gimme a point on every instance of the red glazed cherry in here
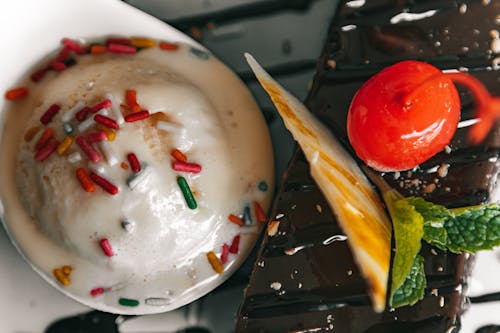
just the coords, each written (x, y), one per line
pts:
(409, 111)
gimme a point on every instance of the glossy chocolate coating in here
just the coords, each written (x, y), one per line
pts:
(319, 285)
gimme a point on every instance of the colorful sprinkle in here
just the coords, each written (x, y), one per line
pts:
(74, 157)
(98, 49)
(68, 128)
(30, 134)
(97, 136)
(168, 127)
(109, 152)
(101, 105)
(272, 228)
(73, 45)
(137, 116)
(118, 40)
(134, 162)
(247, 216)
(235, 244)
(38, 75)
(106, 121)
(131, 100)
(82, 113)
(67, 269)
(103, 183)
(236, 219)
(124, 166)
(260, 215)
(65, 144)
(224, 256)
(57, 65)
(44, 138)
(157, 301)
(61, 277)
(49, 114)
(186, 191)
(46, 150)
(186, 167)
(87, 148)
(127, 225)
(116, 109)
(106, 247)
(97, 291)
(84, 180)
(63, 54)
(121, 48)
(215, 262)
(142, 42)
(166, 46)
(16, 93)
(128, 302)
(134, 180)
(111, 135)
(263, 186)
(178, 155)
(200, 54)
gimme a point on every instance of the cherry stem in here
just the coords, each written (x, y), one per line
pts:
(488, 106)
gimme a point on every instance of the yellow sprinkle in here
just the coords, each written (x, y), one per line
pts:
(215, 262)
(142, 42)
(63, 147)
(61, 277)
(111, 135)
(67, 269)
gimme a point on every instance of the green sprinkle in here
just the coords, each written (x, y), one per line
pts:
(128, 302)
(263, 186)
(186, 191)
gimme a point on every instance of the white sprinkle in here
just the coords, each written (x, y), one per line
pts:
(261, 263)
(441, 301)
(97, 168)
(89, 122)
(334, 238)
(275, 285)
(299, 285)
(493, 159)
(90, 85)
(169, 127)
(136, 179)
(279, 216)
(355, 3)
(109, 152)
(348, 27)
(71, 112)
(74, 157)
(116, 109)
(157, 301)
(468, 122)
(407, 17)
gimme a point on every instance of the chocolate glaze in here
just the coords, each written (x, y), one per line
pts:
(321, 288)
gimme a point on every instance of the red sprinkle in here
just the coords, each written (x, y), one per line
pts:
(186, 167)
(57, 65)
(137, 116)
(38, 75)
(46, 150)
(98, 49)
(101, 105)
(63, 54)
(49, 114)
(166, 46)
(87, 148)
(97, 136)
(235, 244)
(44, 138)
(73, 45)
(225, 253)
(106, 247)
(236, 219)
(121, 48)
(82, 114)
(106, 121)
(118, 40)
(84, 179)
(16, 93)
(131, 99)
(97, 291)
(260, 215)
(105, 184)
(178, 155)
(135, 165)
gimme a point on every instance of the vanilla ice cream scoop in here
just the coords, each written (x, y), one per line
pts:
(136, 182)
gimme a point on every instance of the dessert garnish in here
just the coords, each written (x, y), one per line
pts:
(352, 198)
(409, 111)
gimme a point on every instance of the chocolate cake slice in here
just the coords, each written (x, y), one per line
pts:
(305, 278)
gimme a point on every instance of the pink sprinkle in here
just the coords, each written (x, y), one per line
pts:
(135, 165)
(235, 244)
(46, 150)
(97, 136)
(49, 114)
(82, 114)
(225, 253)
(63, 54)
(106, 247)
(101, 105)
(120, 48)
(87, 148)
(57, 65)
(103, 183)
(97, 291)
(73, 45)
(106, 121)
(186, 167)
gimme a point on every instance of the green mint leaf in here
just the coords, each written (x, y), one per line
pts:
(412, 290)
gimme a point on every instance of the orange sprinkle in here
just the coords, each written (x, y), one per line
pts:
(235, 219)
(131, 99)
(64, 145)
(67, 269)
(260, 215)
(61, 277)
(166, 46)
(16, 93)
(30, 134)
(215, 262)
(85, 181)
(178, 155)
(98, 49)
(124, 166)
(44, 138)
(142, 42)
